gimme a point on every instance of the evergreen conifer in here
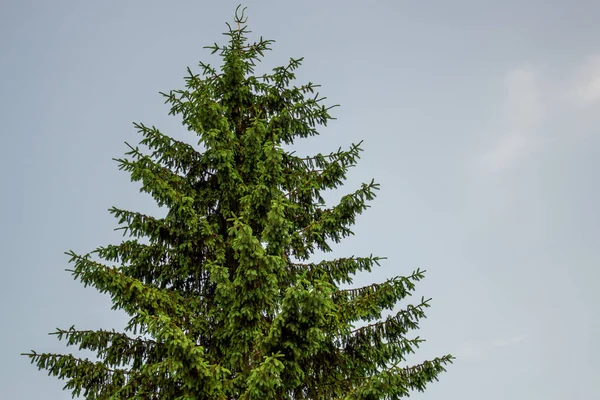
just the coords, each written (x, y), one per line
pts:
(224, 300)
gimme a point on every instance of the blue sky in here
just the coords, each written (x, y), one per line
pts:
(480, 121)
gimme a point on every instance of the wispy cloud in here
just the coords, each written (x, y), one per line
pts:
(587, 81)
(523, 112)
(564, 105)
(478, 349)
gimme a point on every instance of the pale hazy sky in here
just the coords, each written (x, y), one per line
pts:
(480, 121)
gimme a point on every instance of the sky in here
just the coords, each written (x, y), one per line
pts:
(480, 120)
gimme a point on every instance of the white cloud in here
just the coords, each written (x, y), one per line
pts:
(587, 81)
(523, 112)
(540, 109)
(507, 151)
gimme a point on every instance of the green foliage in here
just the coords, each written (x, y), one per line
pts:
(223, 300)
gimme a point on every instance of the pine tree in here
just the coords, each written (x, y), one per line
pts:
(223, 298)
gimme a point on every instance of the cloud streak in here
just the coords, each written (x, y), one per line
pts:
(479, 349)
